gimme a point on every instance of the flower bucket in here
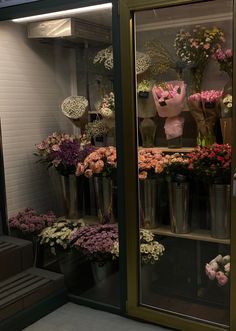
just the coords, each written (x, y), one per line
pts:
(148, 131)
(103, 187)
(101, 272)
(179, 207)
(220, 210)
(73, 196)
(148, 203)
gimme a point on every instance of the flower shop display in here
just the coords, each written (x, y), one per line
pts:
(150, 249)
(218, 269)
(195, 48)
(213, 165)
(205, 108)
(169, 98)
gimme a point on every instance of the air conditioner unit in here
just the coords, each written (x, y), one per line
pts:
(70, 28)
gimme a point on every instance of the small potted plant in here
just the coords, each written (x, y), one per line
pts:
(143, 88)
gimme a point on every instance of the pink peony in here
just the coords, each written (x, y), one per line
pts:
(221, 278)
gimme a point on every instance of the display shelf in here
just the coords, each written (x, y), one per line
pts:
(171, 150)
(201, 235)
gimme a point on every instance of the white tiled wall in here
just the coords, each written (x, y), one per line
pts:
(34, 79)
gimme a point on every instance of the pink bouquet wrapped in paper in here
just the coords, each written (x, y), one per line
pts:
(169, 98)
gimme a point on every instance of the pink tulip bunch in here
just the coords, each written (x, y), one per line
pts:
(219, 269)
(206, 96)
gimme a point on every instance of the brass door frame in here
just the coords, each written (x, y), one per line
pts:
(127, 8)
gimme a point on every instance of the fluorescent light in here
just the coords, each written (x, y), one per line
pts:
(62, 13)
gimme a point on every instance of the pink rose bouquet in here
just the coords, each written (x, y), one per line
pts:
(150, 162)
(219, 269)
(101, 162)
(169, 99)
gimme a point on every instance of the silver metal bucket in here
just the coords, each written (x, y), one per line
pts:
(73, 196)
(148, 203)
(103, 187)
(179, 207)
(220, 210)
(101, 273)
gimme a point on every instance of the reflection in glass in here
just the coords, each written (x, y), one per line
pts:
(184, 168)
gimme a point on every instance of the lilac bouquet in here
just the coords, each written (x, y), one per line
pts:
(225, 60)
(219, 269)
(96, 242)
(29, 221)
(63, 151)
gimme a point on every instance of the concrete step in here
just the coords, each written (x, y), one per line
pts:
(16, 255)
(27, 288)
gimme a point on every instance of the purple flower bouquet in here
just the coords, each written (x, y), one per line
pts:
(96, 242)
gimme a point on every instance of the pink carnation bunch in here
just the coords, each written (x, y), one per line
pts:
(100, 162)
(212, 163)
(219, 269)
(96, 242)
(29, 221)
(210, 96)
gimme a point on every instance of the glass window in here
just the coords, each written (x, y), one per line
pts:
(58, 101)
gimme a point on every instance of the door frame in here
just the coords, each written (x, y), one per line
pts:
(127, 9)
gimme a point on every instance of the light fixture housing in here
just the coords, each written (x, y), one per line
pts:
(63, 13)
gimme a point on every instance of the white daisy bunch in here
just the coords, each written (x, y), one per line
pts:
(150, 249)
(228, 102)
(59, 234)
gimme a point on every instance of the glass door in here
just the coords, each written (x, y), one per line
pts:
(183, 62)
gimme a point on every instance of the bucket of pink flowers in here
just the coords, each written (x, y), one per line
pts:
(101, 166)
(218, 269)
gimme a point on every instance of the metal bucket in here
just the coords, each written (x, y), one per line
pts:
(179, 207)
(103, 187)
(148, 203)
(220, 210)
(73, 196)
